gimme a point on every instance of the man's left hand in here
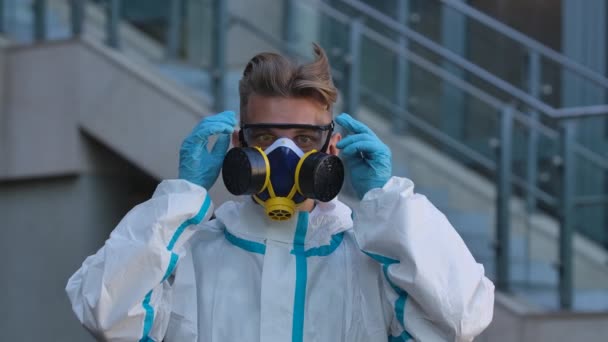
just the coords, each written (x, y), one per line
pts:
(367, 158)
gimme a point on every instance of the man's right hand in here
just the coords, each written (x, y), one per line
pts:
(196, 163)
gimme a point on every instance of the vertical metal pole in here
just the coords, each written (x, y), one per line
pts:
(2, 21)
(453, 101)
(289, 27)
(503, 217)
(174, 29)
(567, 224)
(353, 64)
(534, 80)
(39, 20)
(112, 22)
(218, 58)
(401, 70)
(76, 16)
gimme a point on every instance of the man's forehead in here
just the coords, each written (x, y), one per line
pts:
(286, 110)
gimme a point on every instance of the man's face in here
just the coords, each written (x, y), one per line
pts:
(281, 110)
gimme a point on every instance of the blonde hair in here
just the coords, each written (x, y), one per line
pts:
(271, 74)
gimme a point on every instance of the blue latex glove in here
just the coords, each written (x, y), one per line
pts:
(367, 158)
(197, 163)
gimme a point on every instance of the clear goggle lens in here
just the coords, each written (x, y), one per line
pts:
(306, 137)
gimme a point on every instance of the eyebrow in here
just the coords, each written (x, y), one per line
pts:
(303, 130)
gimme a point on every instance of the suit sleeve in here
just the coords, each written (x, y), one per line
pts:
(437, 289)
(124, 291)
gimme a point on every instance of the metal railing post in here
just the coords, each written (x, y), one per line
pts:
(353, 68)
(39, 8)
(401, 71)
(218, 58)
(77, 17)
(503, 193)
(534, 81)
(112, 22)
(2, 21)
(289, 28)
(453, 101)
(173, 30)
(567, 206)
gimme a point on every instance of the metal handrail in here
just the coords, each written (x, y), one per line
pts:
(450, 56)
(463, 149)
(491, 100)
(479, 94)
(453, 79)
(530, 43)
(444, 75)
(563, 113)
(465, 64)
(580, 112)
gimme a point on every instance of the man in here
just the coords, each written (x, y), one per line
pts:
(393, 269)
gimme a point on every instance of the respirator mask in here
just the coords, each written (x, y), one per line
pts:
(280, 172)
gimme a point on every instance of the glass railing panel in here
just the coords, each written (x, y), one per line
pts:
(550, 85)
(520, 153)
(591, 186)
(548, 177)
(501, 56)
(378, 69)
(425, 18)
(440, 106)
(19, 20)
(481, 123)
(593, 134)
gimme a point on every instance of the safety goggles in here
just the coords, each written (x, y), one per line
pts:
(307, 137)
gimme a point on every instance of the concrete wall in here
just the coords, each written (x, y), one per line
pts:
(139, 114)
(39, 121)
(48, 227)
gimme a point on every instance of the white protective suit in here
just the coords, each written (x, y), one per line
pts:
(167, 272)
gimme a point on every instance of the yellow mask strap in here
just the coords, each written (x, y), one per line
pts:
(258, 200)
(296, 186)
(267, 166)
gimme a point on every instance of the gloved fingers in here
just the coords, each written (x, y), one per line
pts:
(221, 145)
(202, 135)
(213, 124)
(352, 125)
(355, 138)
(228, 118)
(367, 150)
(189, 152)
